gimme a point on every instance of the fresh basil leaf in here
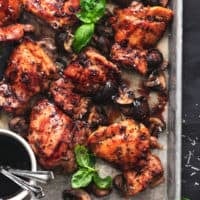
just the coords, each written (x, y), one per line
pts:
(91, 10)
(83, 157)
(82, 36)
(81, 178)
(185, 198)
(102, 183)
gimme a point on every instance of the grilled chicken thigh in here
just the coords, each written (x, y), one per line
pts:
(75, 105)
(52, 136)
(9, 13)
(58, 13)
(8, 100)
(132, 182)
(72, 103)
(124, 144)
(91, 71)
(14, 32)
(139, 26)
(140, 60)
(28, 73)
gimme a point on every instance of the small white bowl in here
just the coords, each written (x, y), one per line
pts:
(22, 194)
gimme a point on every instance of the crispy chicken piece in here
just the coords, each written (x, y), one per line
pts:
(8, 101)
(75, 105)
(57, 13)
(28, 73)
(72, 103)
(124, 144)
(52, 136)
(133, 59)
(14, 32)
(49, 128)
(29, 70)
(132, 182)
(9, 13)
(139, 26)
(91, 71)
(141, 60)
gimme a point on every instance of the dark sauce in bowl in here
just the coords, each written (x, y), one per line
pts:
(13, 154)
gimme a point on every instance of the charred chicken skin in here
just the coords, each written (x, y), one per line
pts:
(124, 144)
(139, 26)
(91, 71)
(58, 13)
(28, 73)
(9, 13)
(72, 103)
(75, 105)
(132, 182)
(8, 100)
(52, 136)
(140, 60)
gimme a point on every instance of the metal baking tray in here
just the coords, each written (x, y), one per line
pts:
(171, 139)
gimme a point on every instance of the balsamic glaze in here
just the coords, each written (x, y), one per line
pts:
(12, 154)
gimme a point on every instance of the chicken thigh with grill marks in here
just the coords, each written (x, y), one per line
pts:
(28, 73)
(9, 13)
(140, 60)
(132, 182)
(75, 105)
(139, 26)
(58, 13)
(125, 144)
(91, 71)
(52, 136)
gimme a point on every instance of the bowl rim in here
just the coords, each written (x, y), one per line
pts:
(21, 195)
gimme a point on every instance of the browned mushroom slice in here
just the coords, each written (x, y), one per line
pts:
(157, 81)
(19, 125)
(136, 108)
(99, 192)
(156, 126)
(76, 194)
(132, 182)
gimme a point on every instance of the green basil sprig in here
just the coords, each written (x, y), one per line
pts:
(87, 172)
(91, 12)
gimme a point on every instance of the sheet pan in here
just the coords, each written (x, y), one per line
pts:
(171, 139)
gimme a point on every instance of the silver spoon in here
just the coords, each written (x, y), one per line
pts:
(39, 176)
(36, 190)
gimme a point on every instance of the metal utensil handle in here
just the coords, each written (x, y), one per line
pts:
(39, 176)
(36, 190)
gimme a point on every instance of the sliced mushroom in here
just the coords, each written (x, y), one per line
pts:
(156, 126)
(103, 37)
(125, 97)
(108, 91)
(156, 82)
(140, 109)
(64, 41)
(120, 182)
(99, 192)
(154, 59)
(76, 194)
(19, 125)
(156, 2)
(136, 108)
